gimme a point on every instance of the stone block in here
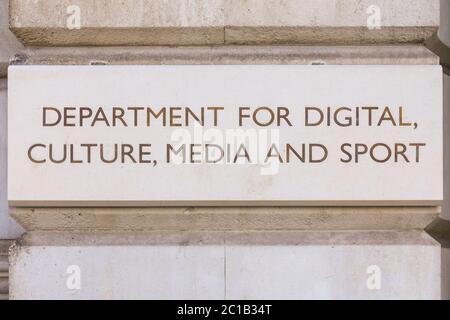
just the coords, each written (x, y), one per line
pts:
(330, 21)
(333, 272)
(230, 265)
(223, 219)
(9, 229)
(214, 22)
(118, 272)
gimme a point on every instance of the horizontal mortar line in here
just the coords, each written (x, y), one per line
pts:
(414, 54)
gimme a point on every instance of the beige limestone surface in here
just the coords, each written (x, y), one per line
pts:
(236, 54)
(9, 229)
(225, 218)
(182, 22)
(409, 260)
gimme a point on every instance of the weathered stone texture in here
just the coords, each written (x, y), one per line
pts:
(182, 22)
(293, 265)
(216, 218)
(237, 54)
(9, 45)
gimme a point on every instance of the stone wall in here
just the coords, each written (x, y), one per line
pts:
(219, 252)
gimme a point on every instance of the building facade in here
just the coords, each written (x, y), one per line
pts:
(381, 250)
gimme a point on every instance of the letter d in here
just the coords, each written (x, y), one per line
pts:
(45, 122)
(309, 123)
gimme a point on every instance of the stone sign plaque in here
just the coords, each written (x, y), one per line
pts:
(224, 135)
